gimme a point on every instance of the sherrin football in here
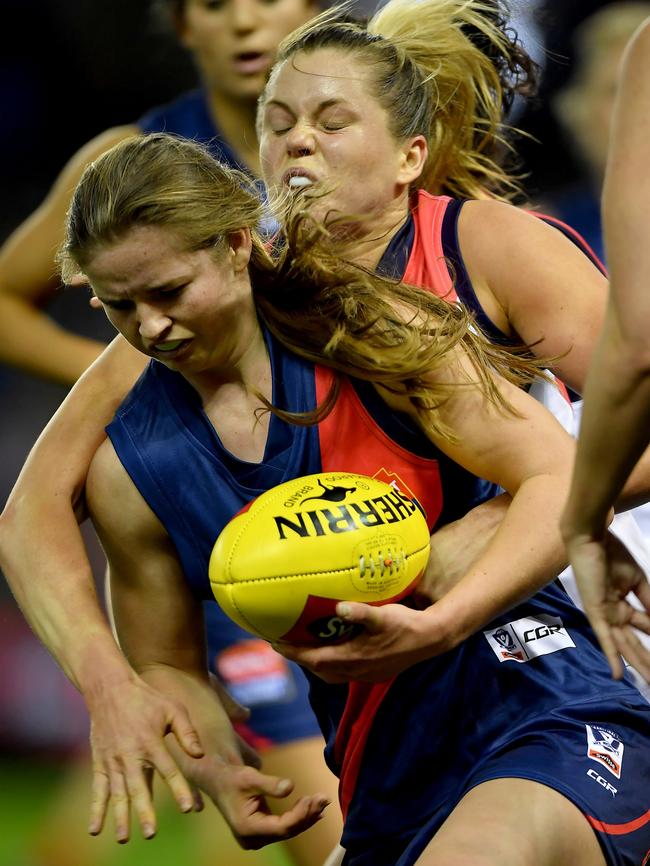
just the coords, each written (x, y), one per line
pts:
(279, 568)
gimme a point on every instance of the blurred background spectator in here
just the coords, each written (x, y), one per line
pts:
(110, 57)
(551, 163)
(583, 107)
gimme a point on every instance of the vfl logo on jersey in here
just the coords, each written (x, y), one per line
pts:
(528, 637)
(605, 747)
(505, 644)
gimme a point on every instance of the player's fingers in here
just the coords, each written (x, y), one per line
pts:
(263, 827)
(140, 797)
(120, 804)
(148, 777)
(633, 650)
(199, 804)
(99, 796)
(174, 779)
(641, 620)
(252, 781)
(371, 618)
(300, 817)
(643, 594)
(325, 662)
(186, 734)
(303, 814)
(290, 651)
(608, 645)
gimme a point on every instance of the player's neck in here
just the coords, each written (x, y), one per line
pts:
(235, 119)
(368, 248)
(247, 371)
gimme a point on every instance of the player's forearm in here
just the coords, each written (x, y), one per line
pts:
(525, 553)
(46, 566)
(31, 341)
(613, 435)
(41, 549)
(458, 545)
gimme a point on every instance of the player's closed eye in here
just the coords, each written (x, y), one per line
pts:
(168, 294)
(122, 305)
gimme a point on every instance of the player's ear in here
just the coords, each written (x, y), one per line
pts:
(412, 158)
(240, 245)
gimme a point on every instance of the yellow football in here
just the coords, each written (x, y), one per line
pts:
(279, 568)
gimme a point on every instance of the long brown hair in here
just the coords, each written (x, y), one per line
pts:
(323, 308)
(332, 311)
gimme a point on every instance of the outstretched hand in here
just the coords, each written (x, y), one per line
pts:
(394, 637)
(228, 771)
(241, 792)
(128, 726)
(606, 572)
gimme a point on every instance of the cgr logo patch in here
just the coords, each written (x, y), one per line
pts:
(602, 782)
(528, 637)
(605, 747)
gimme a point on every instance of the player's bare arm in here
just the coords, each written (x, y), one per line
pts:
(617, 395)
(159, 624)
(29, 339)
(542, 289)
(52, 581)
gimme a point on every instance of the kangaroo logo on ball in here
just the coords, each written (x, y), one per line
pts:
(334, 493)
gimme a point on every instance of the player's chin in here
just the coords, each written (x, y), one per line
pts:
(246, 87)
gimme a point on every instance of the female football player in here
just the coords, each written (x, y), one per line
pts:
(499, 706)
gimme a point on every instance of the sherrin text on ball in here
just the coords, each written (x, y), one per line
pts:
(279, 568)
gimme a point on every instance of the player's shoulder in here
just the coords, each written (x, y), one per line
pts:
(491, 217)
(492, 232)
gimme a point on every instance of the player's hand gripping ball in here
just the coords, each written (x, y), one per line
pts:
(280, 567)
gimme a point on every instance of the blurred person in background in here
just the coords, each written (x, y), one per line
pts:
(233, 44)
(617, 399)
(584, 108)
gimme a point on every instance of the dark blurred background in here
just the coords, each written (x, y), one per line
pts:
(68, 70)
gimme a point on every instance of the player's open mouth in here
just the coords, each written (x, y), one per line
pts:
(297, 179)
(169, 346)
(251, 62)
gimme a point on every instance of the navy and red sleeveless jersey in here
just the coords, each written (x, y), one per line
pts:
(529, 696)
